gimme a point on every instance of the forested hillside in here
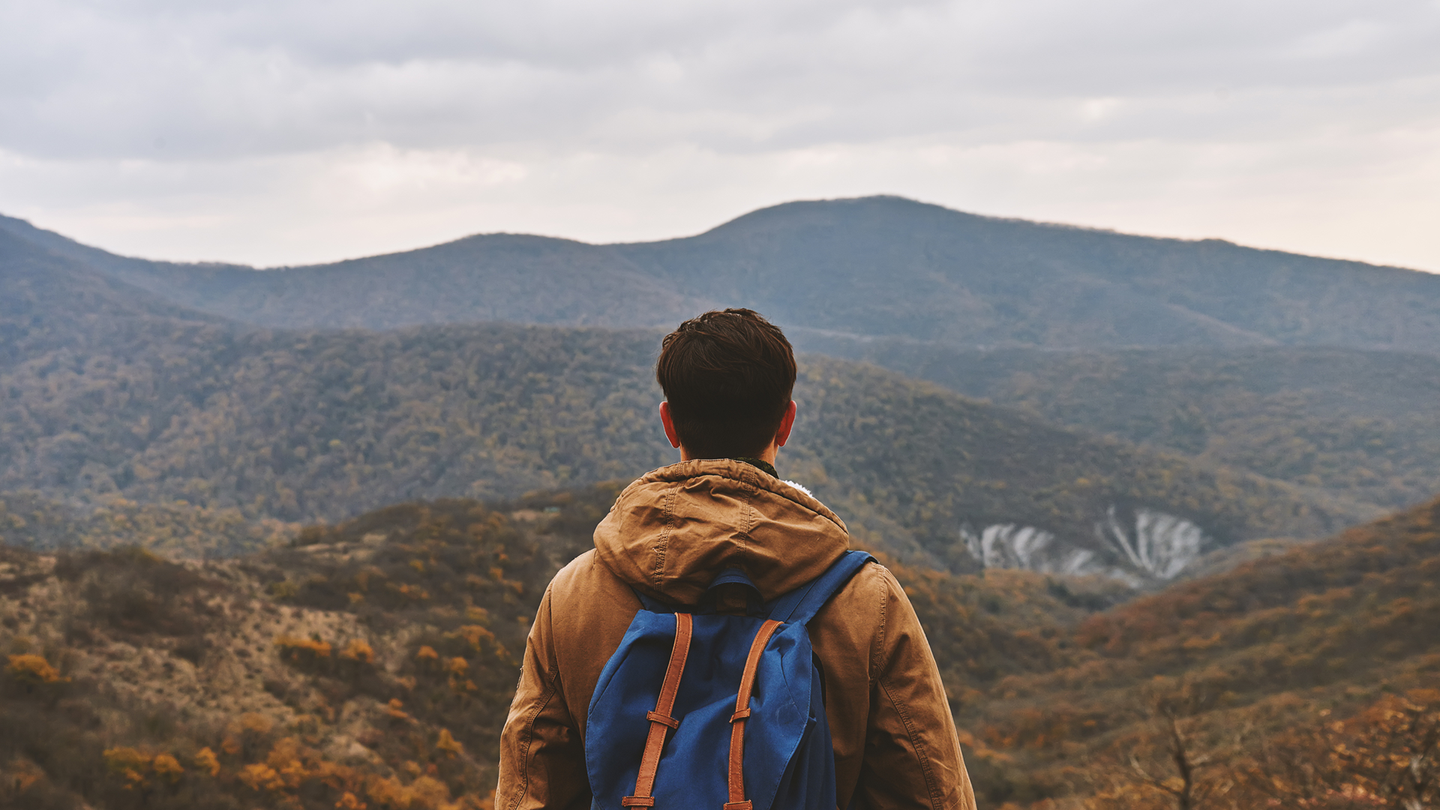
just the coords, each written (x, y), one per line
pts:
(1361, 424)
(304, 426)
(1242, 678)
(371, 663)
(173, 529)
(440, 411)
(50, 303)
(1148, 411)
(877, 266)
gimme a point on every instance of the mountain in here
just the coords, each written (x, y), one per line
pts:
(886, 266)
(869, 267)
(375, 659)
(143, 402)
(303, 426)
(369, 662)
(1360, 424)
(498, 277)
(49, 302)
(1254, 667)
(174, 529)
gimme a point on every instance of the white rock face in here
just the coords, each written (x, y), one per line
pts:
(1160, 545)
(1010, 545)
(1156, 546)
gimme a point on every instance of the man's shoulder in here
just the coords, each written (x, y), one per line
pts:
(581, 577)
(867, 595)
(576, 570)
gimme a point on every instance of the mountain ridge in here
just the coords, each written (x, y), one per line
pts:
(281, 425)
(877, 266)
(305, 425)
(155, 406)
(1357, 422)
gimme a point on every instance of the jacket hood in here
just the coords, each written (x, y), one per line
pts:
(673, 531)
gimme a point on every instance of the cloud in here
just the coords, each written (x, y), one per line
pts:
(225, 79)
(154, 106)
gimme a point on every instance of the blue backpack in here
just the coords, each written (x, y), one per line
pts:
(715, 710)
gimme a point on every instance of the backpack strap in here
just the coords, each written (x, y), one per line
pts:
(742, 712)
(661, 723)
(801, 604)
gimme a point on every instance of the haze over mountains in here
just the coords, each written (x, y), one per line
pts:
(165, 382)
(300, 426)
(870, 267)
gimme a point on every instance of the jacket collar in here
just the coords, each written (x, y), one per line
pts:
(671, 532)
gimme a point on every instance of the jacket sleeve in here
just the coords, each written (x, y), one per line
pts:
(912, 752)
(542, 756)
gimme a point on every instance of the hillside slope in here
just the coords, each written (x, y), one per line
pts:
(1352, 425)
(173, 529)
(371, 665)
(1360, 424)
(304, 426)
(375, 658)
(48, 302)
(1272, 652)
(152, 406)
(877, 266)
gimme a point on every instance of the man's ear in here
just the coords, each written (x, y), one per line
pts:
(670, 425)
(787, 422)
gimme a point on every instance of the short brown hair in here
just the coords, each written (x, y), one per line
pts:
(728, 377)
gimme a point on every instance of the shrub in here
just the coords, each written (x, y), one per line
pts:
(33, 670)
(360, 651)
(308, 652)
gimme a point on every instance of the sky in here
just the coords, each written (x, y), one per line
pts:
(277, 133)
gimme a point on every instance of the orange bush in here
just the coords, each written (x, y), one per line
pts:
(474, 634)
(261, 777)
(33, 670)
(167, 767)
(449, 744)
(303, 650)
(128, 763)
(206, 761)
(360, 651)
(457, 667)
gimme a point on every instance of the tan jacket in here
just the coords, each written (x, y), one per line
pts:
(668, 535)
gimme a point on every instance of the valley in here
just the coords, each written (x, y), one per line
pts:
(273, 537)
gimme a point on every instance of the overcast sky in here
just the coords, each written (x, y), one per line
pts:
(273, 132)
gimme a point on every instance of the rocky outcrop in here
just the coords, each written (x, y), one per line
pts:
(1139, 546)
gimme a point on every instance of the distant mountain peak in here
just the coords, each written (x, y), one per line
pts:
(875, 267)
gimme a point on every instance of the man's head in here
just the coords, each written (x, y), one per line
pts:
(727, 378)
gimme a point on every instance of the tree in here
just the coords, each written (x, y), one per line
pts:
(1174, 763)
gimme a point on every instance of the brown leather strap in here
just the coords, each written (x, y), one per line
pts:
(742, 713)
(660, 720)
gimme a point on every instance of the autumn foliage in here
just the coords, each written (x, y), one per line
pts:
(1297, 681)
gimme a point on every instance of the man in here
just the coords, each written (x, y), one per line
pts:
(727, 378)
